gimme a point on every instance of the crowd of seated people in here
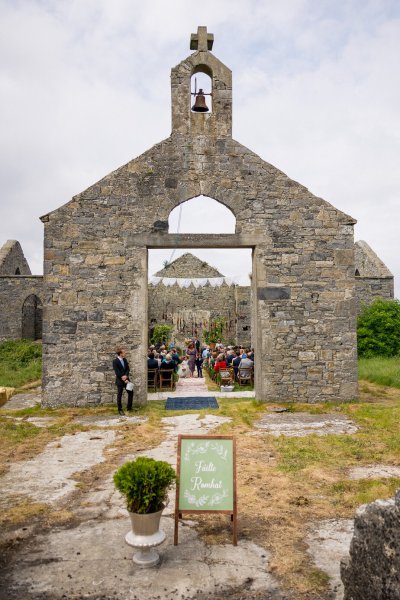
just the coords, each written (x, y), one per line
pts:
(195, 357)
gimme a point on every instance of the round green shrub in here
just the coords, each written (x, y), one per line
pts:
(144, 482)
(378, 329)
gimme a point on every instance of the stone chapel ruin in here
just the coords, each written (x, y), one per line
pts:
(302, 320)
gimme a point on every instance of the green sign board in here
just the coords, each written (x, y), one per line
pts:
(206, 476)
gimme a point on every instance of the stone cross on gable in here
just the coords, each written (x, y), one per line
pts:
(201, 40)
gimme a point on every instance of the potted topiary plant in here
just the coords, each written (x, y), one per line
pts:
(145, 482)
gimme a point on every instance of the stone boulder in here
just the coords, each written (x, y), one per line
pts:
(372, 572)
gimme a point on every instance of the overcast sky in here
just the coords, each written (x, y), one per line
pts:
(84, 88)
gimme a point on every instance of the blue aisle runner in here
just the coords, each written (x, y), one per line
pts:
(191, 403)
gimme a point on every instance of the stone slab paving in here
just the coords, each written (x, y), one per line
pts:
(48, 477)
(302, 424)
(26, 400)
(191, 385)
(92, 560)
(374, 472)
(329, 542)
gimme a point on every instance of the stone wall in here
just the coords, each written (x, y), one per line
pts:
(373, 278)
(12, 259)
(369, 289)
(16, 299)
(304, 309)
(372, 572)
(191, 310)
(243, 315)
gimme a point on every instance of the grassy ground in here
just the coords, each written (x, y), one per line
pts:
(385, 371)
(284, 484)
(20, 363)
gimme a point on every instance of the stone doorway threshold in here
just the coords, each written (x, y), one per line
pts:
(165, 395)
(195, 387)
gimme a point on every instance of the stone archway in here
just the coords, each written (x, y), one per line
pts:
(32, 318)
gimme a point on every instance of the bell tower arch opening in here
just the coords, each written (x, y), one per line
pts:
(201, 85)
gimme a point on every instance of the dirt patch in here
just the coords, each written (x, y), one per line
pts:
(302, 424)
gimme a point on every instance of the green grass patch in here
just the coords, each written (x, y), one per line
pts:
(353, 493)
(20, 362)
(378, 440)
(384, 371)
(17, 433)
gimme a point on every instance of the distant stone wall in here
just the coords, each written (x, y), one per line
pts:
(369, 289)
(372, 572)
(12, 259)
(16, 301)
(191, 310)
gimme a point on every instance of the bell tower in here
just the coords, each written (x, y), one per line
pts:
(186, 121)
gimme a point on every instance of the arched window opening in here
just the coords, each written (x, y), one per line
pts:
(201, 215)
(357, 273)
(17, 271)
(201, 90)
(32, 318)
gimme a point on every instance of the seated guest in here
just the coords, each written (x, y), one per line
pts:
(230, 355)
(220, 363)
(206, 353)
(152, 362)
(167, 364)
(245, 362)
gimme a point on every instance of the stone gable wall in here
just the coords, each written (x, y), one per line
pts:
(187, 266)
(304, 323)
(96, 272)
(12, 259)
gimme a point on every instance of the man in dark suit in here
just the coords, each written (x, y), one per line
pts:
(121, 369)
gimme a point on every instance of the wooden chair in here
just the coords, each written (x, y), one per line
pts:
(167, 381)
(225, 377)
(245, 376)
(152, 379)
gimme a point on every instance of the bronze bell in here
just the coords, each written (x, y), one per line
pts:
(200, 102)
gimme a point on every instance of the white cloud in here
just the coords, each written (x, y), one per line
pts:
(84, 87)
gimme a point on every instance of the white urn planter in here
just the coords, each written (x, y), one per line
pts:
(145, 482)
(145, 536)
